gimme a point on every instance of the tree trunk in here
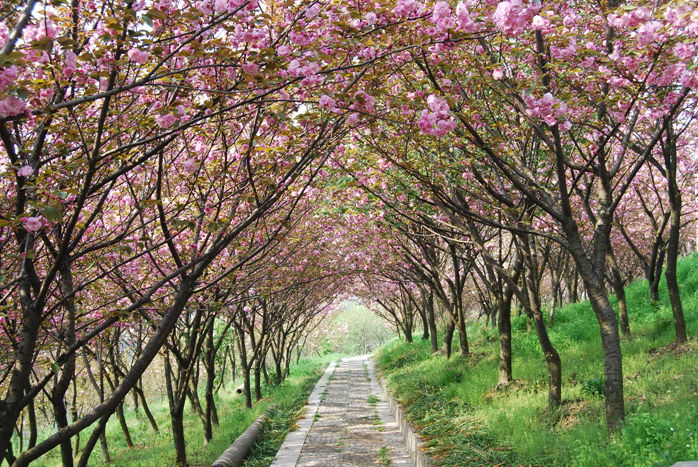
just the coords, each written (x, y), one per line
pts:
(247, 389)
(612, 356)
(504, 327)
(177, 418)
(124, 425)
(97, 434)
(176, 404)
(533, 302)
(68, 370)
(431, 316)
(618, 287)
(670, 160)
(463, 334)
(32, 425)
(655, 274)
(448, 338)
(407, 330)
(146, 409)
(257, 381)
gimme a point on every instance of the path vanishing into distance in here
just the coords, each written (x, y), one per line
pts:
(347, 422)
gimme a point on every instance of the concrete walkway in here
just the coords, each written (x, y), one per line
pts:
(347, 422)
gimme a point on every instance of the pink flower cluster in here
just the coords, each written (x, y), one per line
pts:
(295, 68)
(441, 16)
(328, 103)
(250, 68)
(11, 106)
(547, 108)
(406, 8)
(464, 19)
(438, 120)
(363, 100)
(165, 121)
(512, 18)
(32, 224)
(8, 76)
(629, 19)
(25, 171)
(561, 53)
(69, 63)
(138, 56)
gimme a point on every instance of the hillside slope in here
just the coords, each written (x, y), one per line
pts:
(466, 422)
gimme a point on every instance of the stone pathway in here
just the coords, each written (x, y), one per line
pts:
(347, 423)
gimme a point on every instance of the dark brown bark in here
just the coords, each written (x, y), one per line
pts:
(531, 300)
(654, 274)
(463, 334)
(612, 356)
(448, 338)
(618, 285)
(146, 409)
(505, 353)
(124, 425)
(257, 381)
(431, 315)
(97, 434)
(670, 161)
(32, 425)
(176, 405)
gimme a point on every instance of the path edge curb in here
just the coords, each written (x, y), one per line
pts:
(290, 450)
(415, 444)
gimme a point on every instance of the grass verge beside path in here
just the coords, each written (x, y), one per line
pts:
(282, 419)
(454, 406)
(153, 449)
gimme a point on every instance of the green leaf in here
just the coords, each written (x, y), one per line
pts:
(53, 213)
(43, 44)
(156, 14)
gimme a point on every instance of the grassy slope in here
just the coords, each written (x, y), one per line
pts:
(153, 449)
(466, 422)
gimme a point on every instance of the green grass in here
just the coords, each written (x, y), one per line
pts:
(384, 456)
(157, 449)
(465, 421)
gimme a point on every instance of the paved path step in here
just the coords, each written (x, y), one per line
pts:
(347, 423)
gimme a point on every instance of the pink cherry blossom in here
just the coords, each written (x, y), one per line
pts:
(371, 18)
(25, 171)
(406, 8)
(465, 22)
(547, 108)
(438, 120)
(165, 121)
(8, 76)
(364, 101)
(32, 224)
(138, 56)
(327, 102)
(69, 63)
(11, 106)
(512, 18)
(250, 68)
(441, 16)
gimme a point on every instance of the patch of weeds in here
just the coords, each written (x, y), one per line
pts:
(384, 456)
(372, 399)
(593, 386)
